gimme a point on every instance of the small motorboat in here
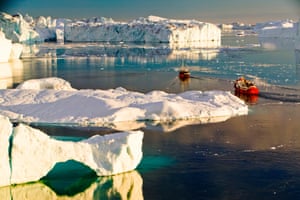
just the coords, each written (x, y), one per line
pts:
(184, 74)
(243, 86)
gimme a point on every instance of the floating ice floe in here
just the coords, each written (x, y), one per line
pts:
(28, 154)
(106, 107)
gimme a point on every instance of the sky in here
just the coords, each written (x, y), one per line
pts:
(215, 11)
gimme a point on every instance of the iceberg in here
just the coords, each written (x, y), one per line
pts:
(9, 50)
(27, 154)
(5, 135)
(152, 29)
(277, 29)
(6, 47)
(106, 107)
(279, 34)
(18, 29)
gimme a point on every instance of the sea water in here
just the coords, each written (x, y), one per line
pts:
(248, 157)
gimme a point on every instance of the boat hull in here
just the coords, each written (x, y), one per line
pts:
(249, 91)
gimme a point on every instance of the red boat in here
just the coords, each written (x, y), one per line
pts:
(184, 74)
(243, 86)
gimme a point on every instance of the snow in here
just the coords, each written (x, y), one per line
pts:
(106, 107)
(106, 155)
(46, 83)
(150, 29)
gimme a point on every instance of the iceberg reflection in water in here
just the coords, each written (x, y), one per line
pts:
(122, 186)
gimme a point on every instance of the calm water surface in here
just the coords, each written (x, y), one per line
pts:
(248, 157)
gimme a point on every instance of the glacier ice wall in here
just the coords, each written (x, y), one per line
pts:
(151, 29)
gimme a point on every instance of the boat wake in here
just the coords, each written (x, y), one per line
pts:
(294, 98)
(278, 93)
(281, 93)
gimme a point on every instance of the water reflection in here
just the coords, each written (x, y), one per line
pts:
(135, 52)
(276, 43)
(122, 186)
(297, 56)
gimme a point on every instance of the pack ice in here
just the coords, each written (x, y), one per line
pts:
(27, 154)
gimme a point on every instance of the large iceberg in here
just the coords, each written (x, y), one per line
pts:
(150, 29)
(278, 34)
(28, 154)
(9, 50)
(277, 29)
(104, 107)
(18, 29)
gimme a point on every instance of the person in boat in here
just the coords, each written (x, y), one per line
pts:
(245, 82)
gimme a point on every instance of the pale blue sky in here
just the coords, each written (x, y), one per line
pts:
(217, 11)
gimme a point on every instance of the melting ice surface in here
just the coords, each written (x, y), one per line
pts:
(32, 102)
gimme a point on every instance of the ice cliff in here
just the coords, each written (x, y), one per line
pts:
(28, 154)
(9, 50)
(150, 29)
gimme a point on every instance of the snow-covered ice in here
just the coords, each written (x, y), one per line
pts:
(104, 107)
(46, 83)
(27, 154)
